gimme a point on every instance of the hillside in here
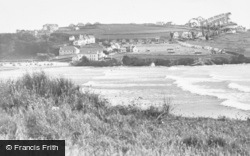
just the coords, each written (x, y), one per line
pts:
(26, 46)
(239, 42)
(126, 31)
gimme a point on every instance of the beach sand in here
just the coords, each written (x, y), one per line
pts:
(146, 86)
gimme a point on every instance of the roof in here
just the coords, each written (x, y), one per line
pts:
(68, 48)
(91, 49)
(91, 36)
(229, 27)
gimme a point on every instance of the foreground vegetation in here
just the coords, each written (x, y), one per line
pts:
(39, 107)
(84, 61)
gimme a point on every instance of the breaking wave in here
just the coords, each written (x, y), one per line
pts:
(239, 87)
(230, 99)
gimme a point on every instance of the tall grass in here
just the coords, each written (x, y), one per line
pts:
(39, 107)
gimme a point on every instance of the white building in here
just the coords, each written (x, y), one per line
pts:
(186, 35)
(84, 40)
(68, 50)
(71, 38)
(176, 35)
(134, 49)
(93, 53)
(80, 43)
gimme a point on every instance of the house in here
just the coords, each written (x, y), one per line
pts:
(80, 43)
(241, 29)
(123, 49)
(186, 35)
(84, 40)
(109, 49)
(76, 28)
(68, 50)
(134, 49)
(71, 38)
(92, 52)
(199, 34)
(115, 46)
(157, 39)
(124, 41)
(50, 27)
(91, 39)
(140, 41)
(131, 41)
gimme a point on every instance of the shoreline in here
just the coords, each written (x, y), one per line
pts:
(212, 109)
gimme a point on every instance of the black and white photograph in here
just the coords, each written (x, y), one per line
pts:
(125, 77)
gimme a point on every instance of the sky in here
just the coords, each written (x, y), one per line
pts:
(32, 14)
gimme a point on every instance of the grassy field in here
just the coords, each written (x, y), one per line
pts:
(168, 49)
(127, 31)
(239, 42)
(39, 107)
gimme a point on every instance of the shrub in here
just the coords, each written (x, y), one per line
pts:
(86, 62)
(220, 60)
(216, 141)
(239, 59)
(133, 61)
(161, 62)
(192, 141)
(184, 61)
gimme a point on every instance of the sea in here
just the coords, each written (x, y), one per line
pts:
(191, 91)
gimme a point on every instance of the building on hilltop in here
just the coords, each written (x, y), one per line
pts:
(241, 29)
(222, 19)
(68, 50)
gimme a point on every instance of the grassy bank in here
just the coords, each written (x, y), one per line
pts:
(187, 61)
(129, 60)
(39, 107)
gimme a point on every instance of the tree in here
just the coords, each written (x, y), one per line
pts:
(88, 24)
(97, 23)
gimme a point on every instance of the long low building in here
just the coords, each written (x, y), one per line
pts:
(93, 53)
(68, 50)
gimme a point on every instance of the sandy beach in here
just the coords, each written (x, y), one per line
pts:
(192, 91)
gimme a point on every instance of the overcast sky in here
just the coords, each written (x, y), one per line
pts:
(32, 14)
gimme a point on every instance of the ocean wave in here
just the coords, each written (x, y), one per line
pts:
(119, 85)
(236, 104)
(239, 87)
(229, 78)
(229, 98)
